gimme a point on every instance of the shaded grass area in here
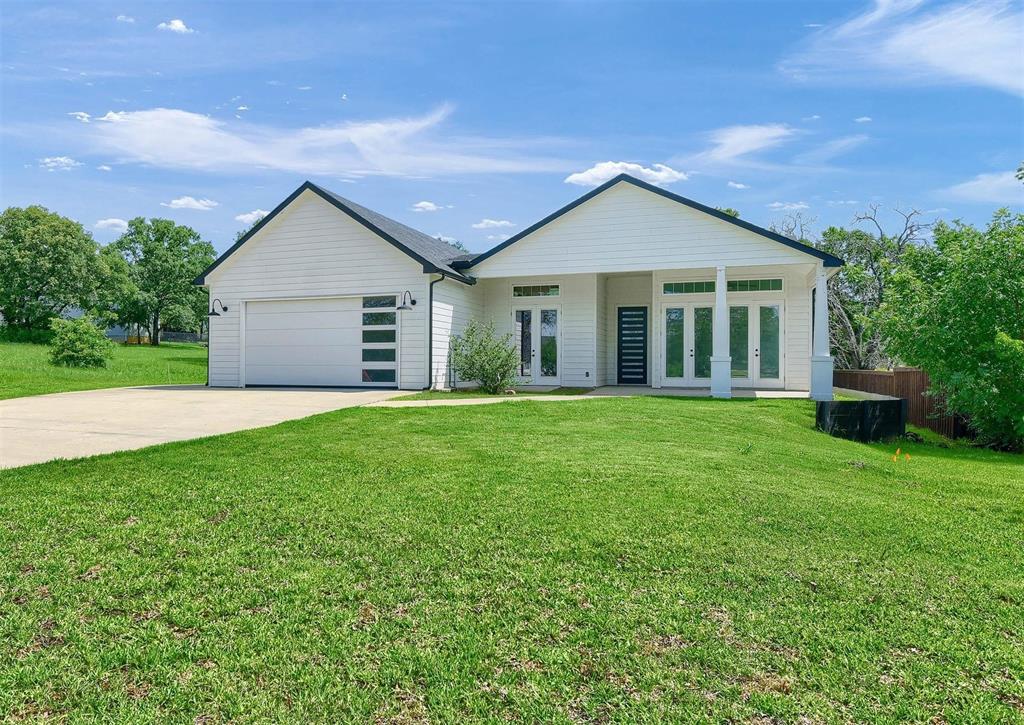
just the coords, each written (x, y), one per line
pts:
(475, 393)
(25, 369)
(632, 559)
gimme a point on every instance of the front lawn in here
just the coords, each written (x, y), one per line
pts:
(25, 369)
(630, 559)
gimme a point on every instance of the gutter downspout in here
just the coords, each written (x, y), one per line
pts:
(430, 331)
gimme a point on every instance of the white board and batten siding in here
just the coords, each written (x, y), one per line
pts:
(455, 304)
(577, 305)
(626, 229)
(311, 250)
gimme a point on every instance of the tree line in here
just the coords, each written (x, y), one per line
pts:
(50, 265)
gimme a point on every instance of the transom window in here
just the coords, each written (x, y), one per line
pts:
(379, 301)
(535, 290)
(753, 285)
(689, 288)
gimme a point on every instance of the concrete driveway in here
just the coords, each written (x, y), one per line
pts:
(70, 425)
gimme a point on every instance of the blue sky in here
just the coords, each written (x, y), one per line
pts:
(472, 121)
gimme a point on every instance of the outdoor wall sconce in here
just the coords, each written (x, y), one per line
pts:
(213, 308)
(407, 301)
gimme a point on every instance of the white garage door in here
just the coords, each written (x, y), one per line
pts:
(337, 341)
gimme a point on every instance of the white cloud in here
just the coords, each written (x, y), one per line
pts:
(492, 224)
(242, 108)
(177, 139)
(814, 117)
(446, 240)
(843, 202)
(830, 149)
(124, 19)
(190, 202)
(788, 205)
(737, 185)
(995, 188)
(907, 41)
(599, 173)
(862, 119)
(732, 143)
(80, 116)
(176, 26)
(103, 167)
(58, 163)
(814, 25)
(344, 96)
(426, 206)
(118, 225)
(497, 237)
(305, 88)
(250, 217)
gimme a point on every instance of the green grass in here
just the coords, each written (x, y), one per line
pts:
(475, 393)
(634, 559)
(25, 369)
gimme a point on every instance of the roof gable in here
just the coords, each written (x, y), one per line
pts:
(433, 254)
(827, 259)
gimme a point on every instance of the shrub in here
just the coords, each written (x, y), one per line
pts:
(480, 355)
(79, 344)
(955, 310)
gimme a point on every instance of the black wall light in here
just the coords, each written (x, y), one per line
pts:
(407, 301)
(213, 308)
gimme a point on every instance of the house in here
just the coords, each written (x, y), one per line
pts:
(628, 285)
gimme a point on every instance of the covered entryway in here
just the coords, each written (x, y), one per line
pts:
(327, 341)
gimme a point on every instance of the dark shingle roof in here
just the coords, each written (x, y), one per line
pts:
(433, 254)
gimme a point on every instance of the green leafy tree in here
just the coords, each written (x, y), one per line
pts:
(48, 264)
(728, 210)
(481, 356)
(79, 343)
(956, 309)
(163, 258)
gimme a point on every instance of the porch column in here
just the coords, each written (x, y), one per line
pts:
(821, 359)
(721, 363)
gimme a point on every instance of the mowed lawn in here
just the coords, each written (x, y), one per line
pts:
(25, 369)
(616, 559)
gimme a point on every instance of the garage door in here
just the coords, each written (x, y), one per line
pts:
(337, 341)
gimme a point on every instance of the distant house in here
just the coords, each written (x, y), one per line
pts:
(628, 285)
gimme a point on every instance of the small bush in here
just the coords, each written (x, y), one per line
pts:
(79, 344)
(480, 355)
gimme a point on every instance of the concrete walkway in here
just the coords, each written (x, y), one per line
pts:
(70, 425)
(608, 391)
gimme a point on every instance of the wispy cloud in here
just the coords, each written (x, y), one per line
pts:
(734, 144)
(190, 202)
(118, 225)
(424, 206)
(103, 167)
(178, 139)
(58, 163)
(176, 26)
(995, 188)
(80, 116)
(975, 42)
(251, 217)
(842, 202)
(658, 174)
(493, 224)
(125, 19)
(862, 119)
(497, 237)
(737, 185)
(788, 205)
(831, 149)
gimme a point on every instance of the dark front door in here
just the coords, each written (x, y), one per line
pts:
(632, 346)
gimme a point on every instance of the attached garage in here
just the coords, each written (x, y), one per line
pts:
(331, 341)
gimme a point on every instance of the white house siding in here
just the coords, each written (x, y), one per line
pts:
(631, 291)
(455, 304)
(578, 318)
(627, 228)
(312, 249)
(601, 333)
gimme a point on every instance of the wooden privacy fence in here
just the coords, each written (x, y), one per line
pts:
(911, 384)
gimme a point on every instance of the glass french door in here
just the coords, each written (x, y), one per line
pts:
(755, 344)
(688, 331)
(537, 340)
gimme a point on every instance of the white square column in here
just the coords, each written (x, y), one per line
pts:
(821, 359)
(721, 362)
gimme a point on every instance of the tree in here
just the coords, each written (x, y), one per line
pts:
(164, 258)
(858, 291)
(48, 264)
(728, 210)
(956, 309)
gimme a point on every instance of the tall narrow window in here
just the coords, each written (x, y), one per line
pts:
(739, 341)
(524, 339)
(702, 326)
(675, 342)
(769, 341)
(549, 343)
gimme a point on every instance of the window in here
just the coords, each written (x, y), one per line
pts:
(535, 290)
(753, 285)
(378, 355)
(378, 318)
(380, 301)
(378, 376)
(739, 348)
(675, 352)
(689, 288)
(378, 336)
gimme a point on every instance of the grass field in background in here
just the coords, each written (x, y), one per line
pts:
(25, 369)
(633, 559)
